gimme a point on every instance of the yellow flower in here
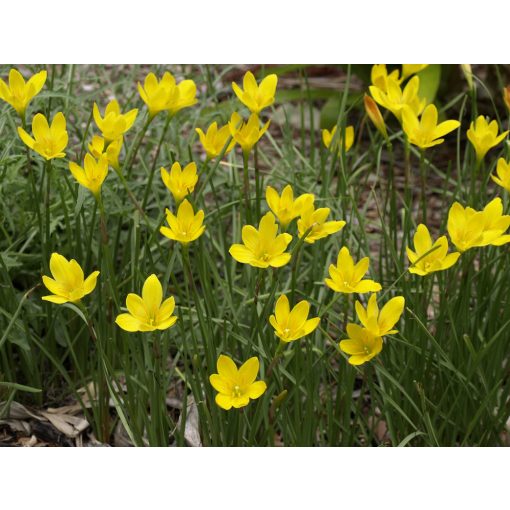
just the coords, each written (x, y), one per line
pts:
(315, 219)
(380, 323)
(465, 227)
(437, 260)
(379, 76)
(290, 325)
(469, 228)
(148, 312)
(186, 226)
(112, 150)
(503, 174)
(362, 345)
(185, 97)
(285, 207)
(426, 132)
(329, 136)
(484, 135)
(394, 99)
(215, 140)
(246, 134)
(235, 386)
(506, 96)
(180, 182)
(410, 69)
(256, 97)
(18, 93)
(262, 247)
(375, 115)
(158, 94)
(49, 142)
(495, 223)
(114, 124)
(68, 283)
(347, 277)
(93, 173)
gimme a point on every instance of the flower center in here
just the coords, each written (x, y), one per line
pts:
(366, 350)
(48, 146)
(265, 256)
(236, 391)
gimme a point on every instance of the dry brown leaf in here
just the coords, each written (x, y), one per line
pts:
(191, 428)
(69, 425)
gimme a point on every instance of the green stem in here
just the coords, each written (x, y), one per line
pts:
(423, 187)
(277, 355)
(258, 183)
(246, 188)
(103, 395)
(131, 156)
(391, 194)
(474, 180)
(296, 258)
(407, 172)
(106, 248)
(154, 162)
(47, 245)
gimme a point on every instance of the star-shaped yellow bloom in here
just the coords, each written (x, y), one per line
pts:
(235, 386)
(314, 222)
(347, 276)
(362, 345)
(68, 283)
(98, 147)
(114, 124)
(379, 76)
(148, 312)
(469, 228)
(256, 97)
(180, 182)
(437, 260)
(290, 325)
(215, 140)
(483, 135)
(285, 207)
(502, 177)
(262, 247)
(380, 323)
(18, 93)
(158, 94)
(246, 134)
(495, 223)
(394, 99)
(185, 97)
(186, 226)
(92, 174)
(426, 132)
(333, 142)
(49, 142)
